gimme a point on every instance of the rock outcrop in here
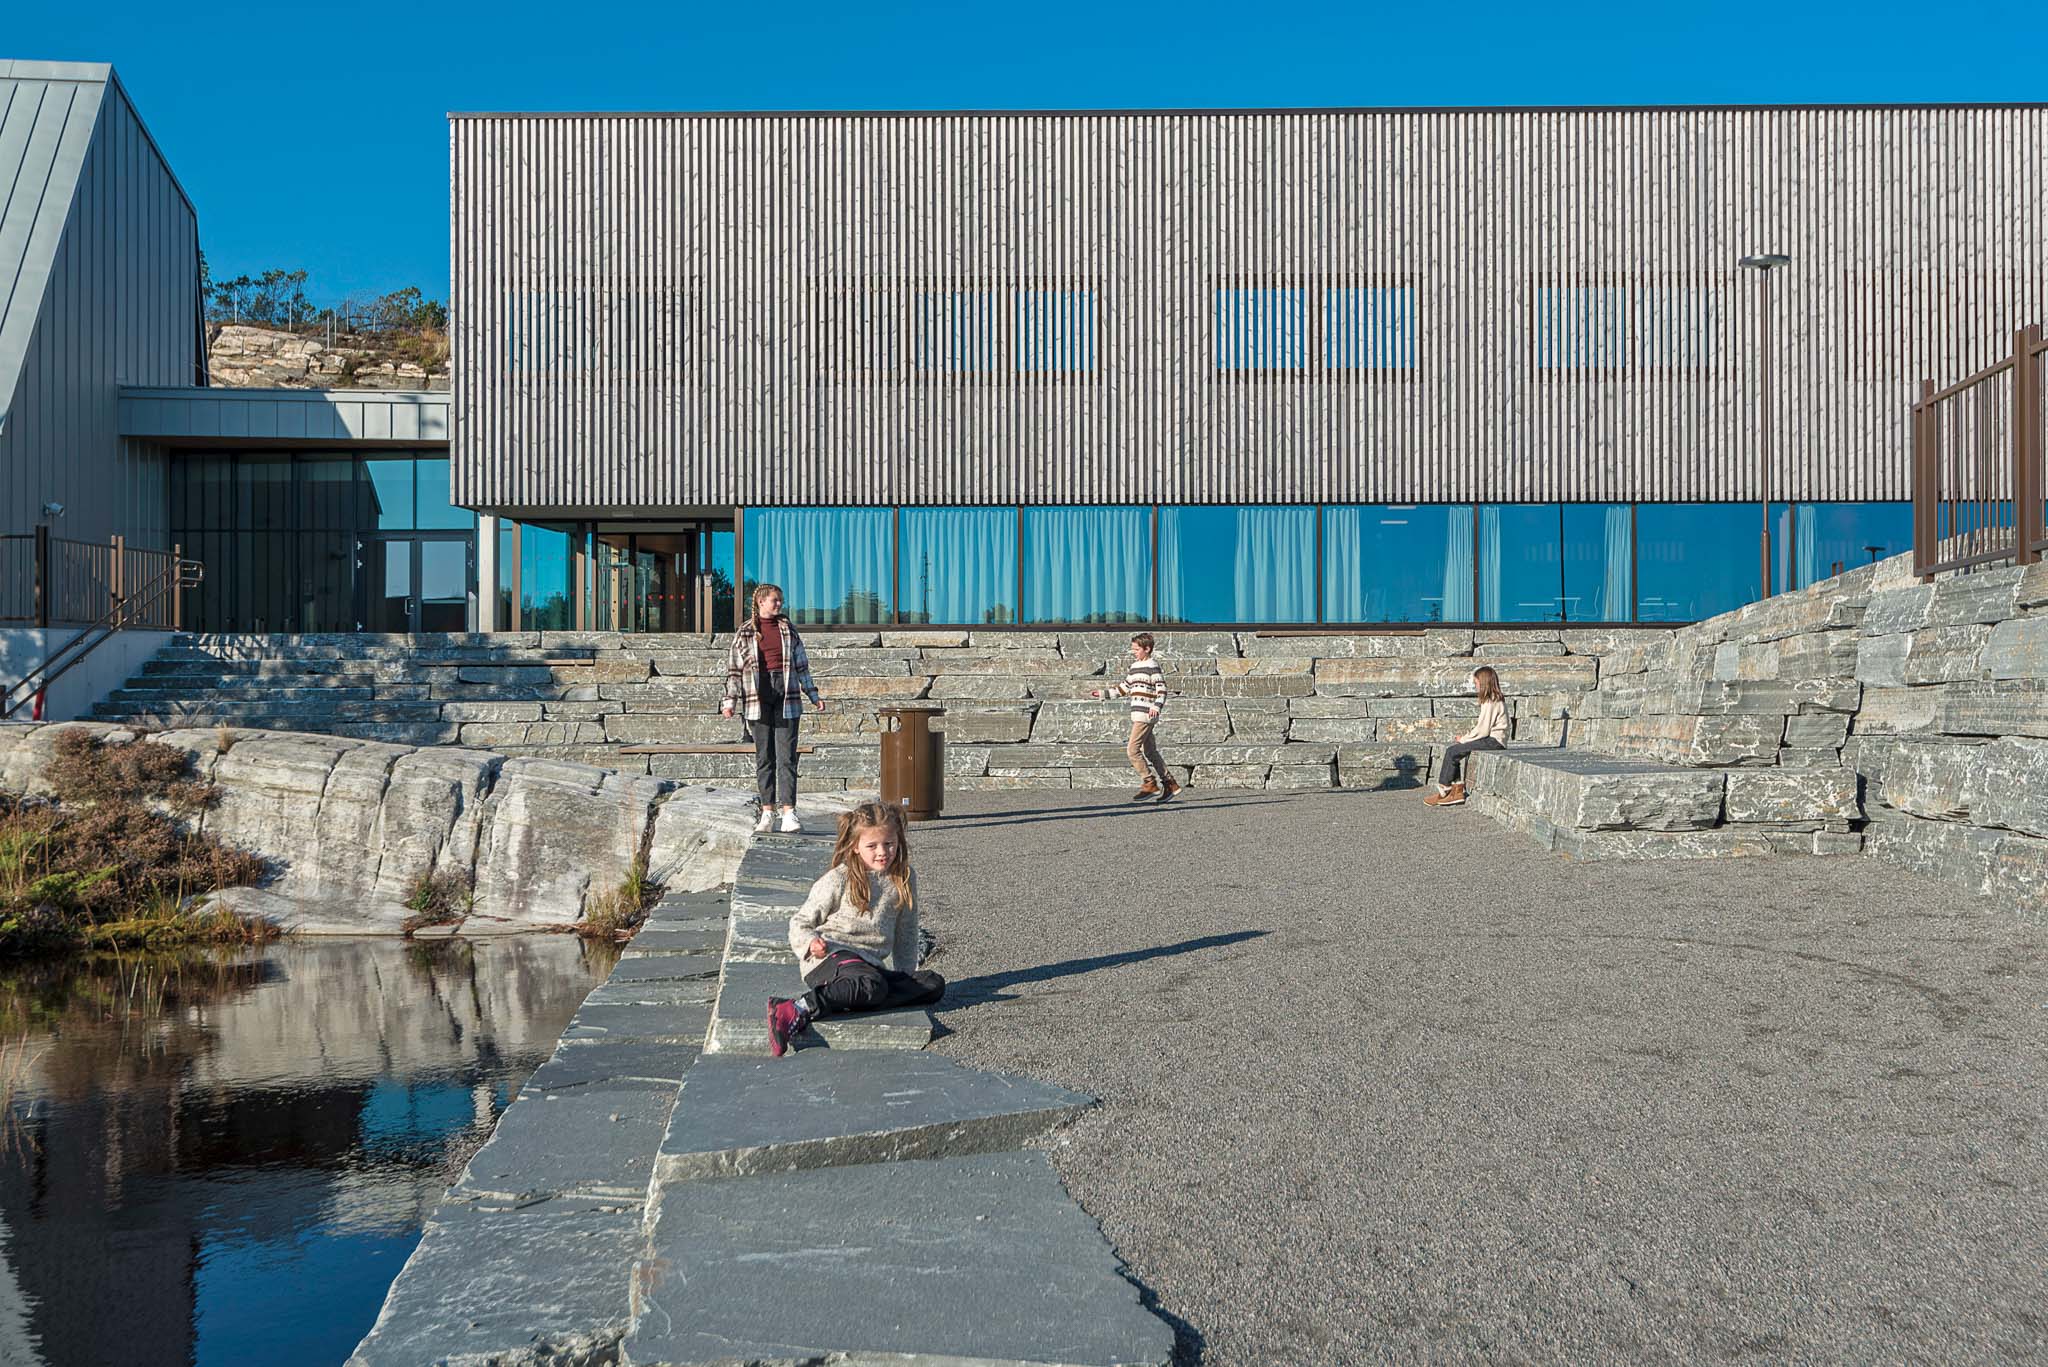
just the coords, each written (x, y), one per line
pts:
(243, 357)
(351, 824)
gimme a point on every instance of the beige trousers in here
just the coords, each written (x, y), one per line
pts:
(1144, 752)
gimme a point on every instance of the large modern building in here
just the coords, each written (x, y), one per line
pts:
(1275, 367)
(1282, 368)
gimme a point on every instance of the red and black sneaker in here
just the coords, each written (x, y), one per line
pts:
(785, 1023)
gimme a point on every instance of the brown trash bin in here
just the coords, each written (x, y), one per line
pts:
(913, 761)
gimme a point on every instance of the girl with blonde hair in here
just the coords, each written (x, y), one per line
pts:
(767, 677)
(1489, 732)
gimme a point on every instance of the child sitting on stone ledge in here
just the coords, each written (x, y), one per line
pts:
(1489, 732)
(855, 936)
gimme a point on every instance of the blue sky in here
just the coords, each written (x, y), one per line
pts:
(314, 135)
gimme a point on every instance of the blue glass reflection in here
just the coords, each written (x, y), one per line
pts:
(436, 509)
(1231, 564)
(1696, 560)
(1397, 562)
(1816, 541)
(1598, 558)
(547, 586)
(959, 565)
(1521, 573)
(387, 494)
(831, 563)
(1087, 565)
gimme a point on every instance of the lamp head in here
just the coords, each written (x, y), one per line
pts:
(1765, 262)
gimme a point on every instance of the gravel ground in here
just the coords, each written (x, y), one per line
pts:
(1386, 1083)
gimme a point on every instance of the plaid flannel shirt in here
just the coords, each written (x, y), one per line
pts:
(743, 672)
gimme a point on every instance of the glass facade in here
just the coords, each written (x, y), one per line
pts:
(315, 542)
(1291, 565)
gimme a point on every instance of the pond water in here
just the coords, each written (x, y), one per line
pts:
(226, 1158)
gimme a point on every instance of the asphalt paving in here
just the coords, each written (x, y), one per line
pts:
(1382, 1083)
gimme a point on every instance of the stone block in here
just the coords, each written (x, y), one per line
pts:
(542, 1282)
(925, 640)
(651, 728)
(945, 687)
(698, 839)
(1037, 755)
(2008, 785)
(1792, 795)
(1406, 646)
(699, 663)
(997, 725)
(1898, 610)
(1493, 636)
(1440, 642)
(739, 1024)
(1931, 779)
(963, 760)
(1278, 686)
(670, 691)
(1255, 726)
(529, 674)
(1577, 791)
(1172, 645)
(2018, 649)
(1319, 706)
(498, 735)
(865, 688)
(1261, 666)
(580, 711)
(818, 638)
(1023, 664)
(1897, 711)
(1185, 719)
(1014, 640)
(1334, 729)
(838, 667)
(821, 1108)
(718, 1286)
(1099, 777)
(1385, 766)
(1229, 776)
(1817, 730)
(1985, 596)
(597, 1144)
(2007, 707)
(1420, 730)
(1390, 678)
(1301, 776)
(1494, 653)
(1255, 754)
(490, 711)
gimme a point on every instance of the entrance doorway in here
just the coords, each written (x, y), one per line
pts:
(416, 583)
(654, 579)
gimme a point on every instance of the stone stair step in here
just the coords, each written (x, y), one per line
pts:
(764, 1269)
(739, 1021)
(829, 1107)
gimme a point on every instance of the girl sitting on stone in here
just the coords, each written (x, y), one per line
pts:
(1489, 732)
(855, 936)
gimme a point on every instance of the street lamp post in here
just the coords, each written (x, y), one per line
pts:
(1763, 265)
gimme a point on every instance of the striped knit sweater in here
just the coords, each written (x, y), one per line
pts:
(1145, 685)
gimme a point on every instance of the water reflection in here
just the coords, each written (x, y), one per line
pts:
(227, 1159)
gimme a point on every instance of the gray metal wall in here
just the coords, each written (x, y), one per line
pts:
(120, 307)
(661, 310)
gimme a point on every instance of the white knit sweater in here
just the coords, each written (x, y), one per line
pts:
(886, 936)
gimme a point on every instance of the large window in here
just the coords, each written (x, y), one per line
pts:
(1397, 563)
(547, 577)
(1696, 560)
(1816, 541)
(1231, 564)
(1328, 327)
(959, 565)
(1554, 562)
(832, 564)
(1087, 565)
(291, 541)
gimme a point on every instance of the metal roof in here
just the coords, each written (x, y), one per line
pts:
(285, 418)
(47, 114)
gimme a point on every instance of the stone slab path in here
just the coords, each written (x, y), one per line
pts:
(663, 1195)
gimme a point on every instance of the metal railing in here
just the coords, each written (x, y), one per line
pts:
(1978, 477)
(148, 596)
(48, 580)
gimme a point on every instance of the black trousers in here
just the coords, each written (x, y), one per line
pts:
(1454, 758)
(847, 982)
(775, 756)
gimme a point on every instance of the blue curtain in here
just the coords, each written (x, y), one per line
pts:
(1237, 564)
(831, 563)
(959, 565)
(1087, 564)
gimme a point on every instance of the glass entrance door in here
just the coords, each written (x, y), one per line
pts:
(645, 581)
(416, 583)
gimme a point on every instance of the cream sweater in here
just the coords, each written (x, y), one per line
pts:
(886, 936)
(1493, 721)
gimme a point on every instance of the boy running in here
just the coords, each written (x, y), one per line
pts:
(1145, 685)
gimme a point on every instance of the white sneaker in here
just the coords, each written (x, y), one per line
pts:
(766, 822)
(790, 825)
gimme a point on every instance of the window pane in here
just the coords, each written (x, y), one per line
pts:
(1397, 563)
(720, 566)
(1369, 328)
(1228, 564)
(1597, 552)
(434, 508)
(327, 600)
(1261, 329)
(507, 530)
(387, 494)
(1577, 327)
(1695, 559)
(1826, 539)
(960, 565)
(1086, 565)
(1521, 575)
(326, 494)
(1055, 330)
(832, 564)
(547, 597)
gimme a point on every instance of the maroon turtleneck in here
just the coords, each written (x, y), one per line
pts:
(771, 644)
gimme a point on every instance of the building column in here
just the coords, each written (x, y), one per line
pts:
(483, 612)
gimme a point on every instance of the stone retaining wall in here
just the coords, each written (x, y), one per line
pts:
(1248, 710)
(352, 823)
(1934, 695)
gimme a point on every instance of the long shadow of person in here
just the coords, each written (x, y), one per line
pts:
(991, 987)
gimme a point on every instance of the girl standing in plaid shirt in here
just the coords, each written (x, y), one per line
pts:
(768, 676)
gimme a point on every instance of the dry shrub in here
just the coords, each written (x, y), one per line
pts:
(438, 899)
(617, 913)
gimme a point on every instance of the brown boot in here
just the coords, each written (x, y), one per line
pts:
(1146, 793)
(1171, 789)
(1453, 797)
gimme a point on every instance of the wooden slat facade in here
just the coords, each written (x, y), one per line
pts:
(664, 311)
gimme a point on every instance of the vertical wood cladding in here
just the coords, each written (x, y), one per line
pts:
(668, 310)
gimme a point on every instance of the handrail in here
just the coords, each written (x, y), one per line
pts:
(133, 609)
(1978, 470)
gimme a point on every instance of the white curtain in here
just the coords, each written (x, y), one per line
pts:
(832, 564)
(1458, 550)
(1275, 573)
(1087, 564)
(1346, 596)
(1614, 603)
(959, 565)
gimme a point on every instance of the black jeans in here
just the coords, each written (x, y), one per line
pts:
(847, 982)
(1454, 758)
(775, 756)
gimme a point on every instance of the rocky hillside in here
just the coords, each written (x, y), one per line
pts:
(245, 357)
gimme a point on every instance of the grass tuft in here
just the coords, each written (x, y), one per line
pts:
(438, 899)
